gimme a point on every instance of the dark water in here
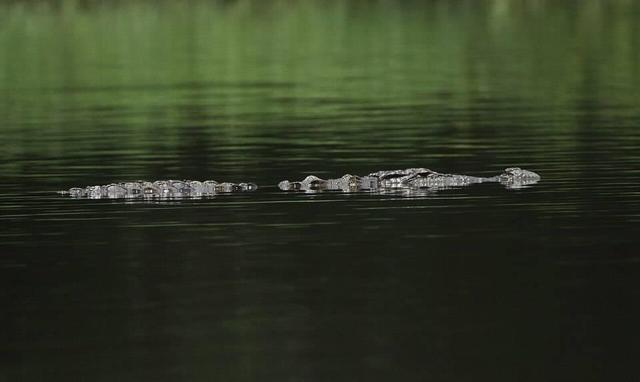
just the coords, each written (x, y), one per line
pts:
(474, 284)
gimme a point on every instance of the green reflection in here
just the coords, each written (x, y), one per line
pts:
(124, 78)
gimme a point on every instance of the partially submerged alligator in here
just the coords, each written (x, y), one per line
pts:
(408, 179)
(159, 189)
(412, 179)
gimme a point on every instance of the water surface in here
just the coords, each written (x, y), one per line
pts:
(479, 283)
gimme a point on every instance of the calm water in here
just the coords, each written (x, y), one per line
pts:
(474, 284)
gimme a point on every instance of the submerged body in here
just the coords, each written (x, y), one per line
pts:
(409, 179)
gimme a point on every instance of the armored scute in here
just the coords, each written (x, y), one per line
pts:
(409, 179)
(159, 189)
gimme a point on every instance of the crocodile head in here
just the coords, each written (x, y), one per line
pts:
(515, 177)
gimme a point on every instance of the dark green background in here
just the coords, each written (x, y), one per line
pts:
(477, 284)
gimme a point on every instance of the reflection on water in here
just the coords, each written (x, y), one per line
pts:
(476, 283)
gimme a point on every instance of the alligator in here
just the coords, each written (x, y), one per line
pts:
(411, 179)
(158, 189)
